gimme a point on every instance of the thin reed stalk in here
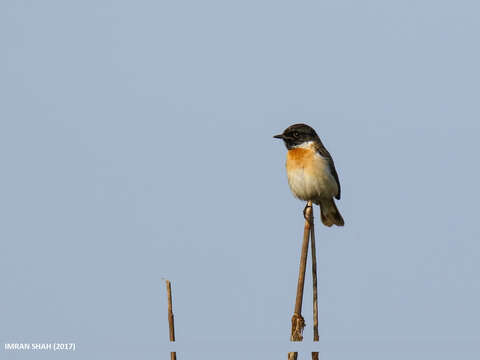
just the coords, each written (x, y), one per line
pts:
(315, 290)
(298, 323)
(171, 326)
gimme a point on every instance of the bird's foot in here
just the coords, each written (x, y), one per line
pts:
(305, 212)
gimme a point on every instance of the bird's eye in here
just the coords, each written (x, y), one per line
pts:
(296, 134)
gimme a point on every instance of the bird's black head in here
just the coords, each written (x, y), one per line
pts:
(297, 134)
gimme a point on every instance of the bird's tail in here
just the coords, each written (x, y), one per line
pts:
(330, 214)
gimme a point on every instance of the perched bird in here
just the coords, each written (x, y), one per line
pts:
(311, 172)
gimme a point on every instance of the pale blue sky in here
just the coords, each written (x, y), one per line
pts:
(136, 143)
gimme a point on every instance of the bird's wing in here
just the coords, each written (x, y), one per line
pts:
(324, 153)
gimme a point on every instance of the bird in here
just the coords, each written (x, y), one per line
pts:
(311, 172)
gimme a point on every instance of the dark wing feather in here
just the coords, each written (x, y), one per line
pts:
(324, 153)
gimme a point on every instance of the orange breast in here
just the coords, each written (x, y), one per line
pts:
(300, 158)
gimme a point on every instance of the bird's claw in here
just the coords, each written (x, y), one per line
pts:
(305, 212)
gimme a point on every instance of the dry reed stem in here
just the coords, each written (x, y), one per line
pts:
(171, 326)
(298, 323)
(315, 288)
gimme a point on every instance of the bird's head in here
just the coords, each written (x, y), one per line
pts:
(296, 135)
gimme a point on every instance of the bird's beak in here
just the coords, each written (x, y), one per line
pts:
(278, 136)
